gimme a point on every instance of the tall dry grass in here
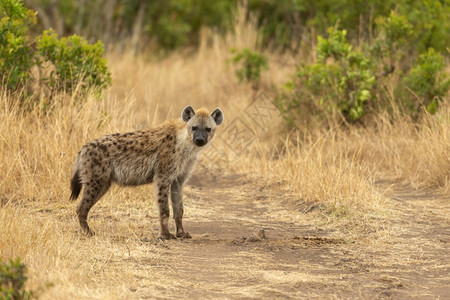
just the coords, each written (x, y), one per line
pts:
(410, 152)
(336, 169)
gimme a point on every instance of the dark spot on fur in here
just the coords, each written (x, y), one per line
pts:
(161, 189)
(115, 134)
(125, 148)
(150, 178)
(119, 147)
(103, 147)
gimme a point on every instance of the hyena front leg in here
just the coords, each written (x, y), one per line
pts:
(162, 194)
(177, 205)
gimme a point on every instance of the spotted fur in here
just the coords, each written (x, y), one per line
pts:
(165, 155)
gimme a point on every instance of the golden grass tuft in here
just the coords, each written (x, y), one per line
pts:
(415, 153)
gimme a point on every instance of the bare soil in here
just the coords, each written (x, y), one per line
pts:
(254, 241)
(243, 247)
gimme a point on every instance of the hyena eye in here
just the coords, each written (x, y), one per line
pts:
(208, 129)
(194, 128)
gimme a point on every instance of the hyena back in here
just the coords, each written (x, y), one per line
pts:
(164, 155)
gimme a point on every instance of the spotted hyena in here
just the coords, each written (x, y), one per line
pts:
(165, 155)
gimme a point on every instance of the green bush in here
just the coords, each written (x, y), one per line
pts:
(428, 80)
(340, 81)
(430, 21)
(249, 64)
(74, 63)
(16, 58)
(352, 81)
(71, 61)
(12, 280)
(290, 24)
(389, 45)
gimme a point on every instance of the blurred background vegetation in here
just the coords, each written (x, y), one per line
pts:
(348, 50)
(289, 24)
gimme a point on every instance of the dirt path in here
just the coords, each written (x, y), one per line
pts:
(297, 259)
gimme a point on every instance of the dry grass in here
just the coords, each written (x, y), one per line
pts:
(336, 169)
(414, 153)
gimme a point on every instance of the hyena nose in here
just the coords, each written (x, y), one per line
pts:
(199, 141)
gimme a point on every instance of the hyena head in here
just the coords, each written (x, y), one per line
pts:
(201, 125)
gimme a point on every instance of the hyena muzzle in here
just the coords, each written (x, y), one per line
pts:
(164, 155)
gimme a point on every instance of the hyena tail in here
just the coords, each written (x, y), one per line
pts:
(75, 184)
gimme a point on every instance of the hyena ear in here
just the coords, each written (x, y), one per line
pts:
(217, 115)
(188, 113)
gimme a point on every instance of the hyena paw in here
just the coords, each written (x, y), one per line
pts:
(88, 232)
(166, 236)
(183, 235)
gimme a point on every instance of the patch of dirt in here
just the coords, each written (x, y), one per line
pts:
(251, 241)
(238, 250)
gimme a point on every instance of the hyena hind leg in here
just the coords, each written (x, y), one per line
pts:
(91, 194)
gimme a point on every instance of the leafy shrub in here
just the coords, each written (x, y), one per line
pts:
(341, 80)
(428, 80)
(249, 64)
(430, 21)
(12, 280)
(289, 24)
(15, 52)
(75, 63)
(72, 61)
(389, 44)
(350, 81)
